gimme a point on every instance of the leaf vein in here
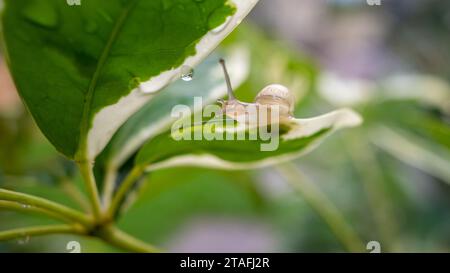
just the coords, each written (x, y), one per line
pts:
(85, 122)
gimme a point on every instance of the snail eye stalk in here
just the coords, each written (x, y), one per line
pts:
(227, 79)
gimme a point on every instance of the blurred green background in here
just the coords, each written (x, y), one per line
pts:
(387, 180)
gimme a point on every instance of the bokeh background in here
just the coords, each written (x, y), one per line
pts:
(386, 181)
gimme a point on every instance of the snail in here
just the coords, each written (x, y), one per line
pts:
(271, 96)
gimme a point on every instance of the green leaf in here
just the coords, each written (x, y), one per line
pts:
(82, 70)
(300, 137)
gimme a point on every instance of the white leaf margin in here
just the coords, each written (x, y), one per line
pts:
(336, 120)
(108, 120)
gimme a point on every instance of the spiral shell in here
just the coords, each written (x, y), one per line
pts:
(277, 94)
(271, 96)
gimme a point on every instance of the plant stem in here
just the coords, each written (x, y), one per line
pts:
(126, 185)
(10, 205)
(370, 172)
(27, 199)
(120, 239)
(39, 230)
(108, 185)
(65, 184)
(323, 206)
(91, 187)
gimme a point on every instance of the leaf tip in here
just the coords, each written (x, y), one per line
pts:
(347, 117)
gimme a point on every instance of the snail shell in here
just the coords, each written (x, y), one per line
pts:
(277, 94)
(271, 96)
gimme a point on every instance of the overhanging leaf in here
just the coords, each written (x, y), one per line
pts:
(81, 69)
(300, 137)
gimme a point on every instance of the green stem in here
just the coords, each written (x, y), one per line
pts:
(91, 187)
(10, 205)
(108, 185)
(324, 208)
(371, 175)
(30, 200)
(126, 185)
(120, 239)
(39, 230)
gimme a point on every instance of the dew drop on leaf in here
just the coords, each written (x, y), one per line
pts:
(25, 206)
(187, 73)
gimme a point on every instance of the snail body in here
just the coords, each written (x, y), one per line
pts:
(274, 97)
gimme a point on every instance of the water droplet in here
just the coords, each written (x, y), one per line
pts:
(222, 27)
(23, 240)
(187, 73)
(90, 27)
(73, 2)
(25, 206)
(42, 13)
